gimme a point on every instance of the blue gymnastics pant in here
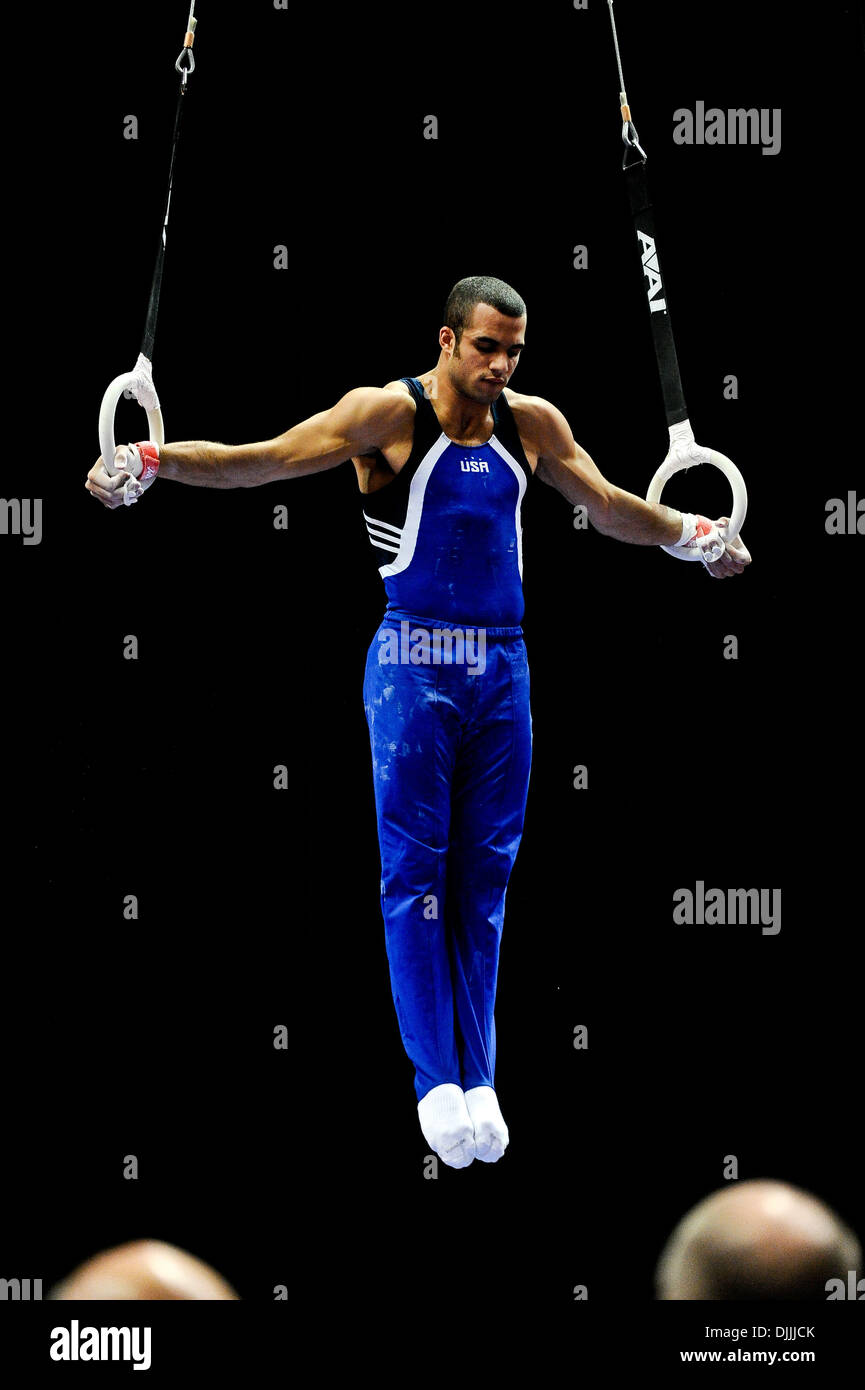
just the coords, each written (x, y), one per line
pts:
(451, 745)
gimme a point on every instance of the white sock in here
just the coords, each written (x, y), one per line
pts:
(491, 1132)
(447, 1126)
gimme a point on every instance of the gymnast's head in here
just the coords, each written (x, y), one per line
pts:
(759, 1240)
(483, 335)
(142, 1270)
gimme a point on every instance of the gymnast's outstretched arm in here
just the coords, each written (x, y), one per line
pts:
(562, 464)
(365, 418)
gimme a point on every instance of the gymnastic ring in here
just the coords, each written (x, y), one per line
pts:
(675, 462)
(130, 384)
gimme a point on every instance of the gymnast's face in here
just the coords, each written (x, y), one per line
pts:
(488, 352)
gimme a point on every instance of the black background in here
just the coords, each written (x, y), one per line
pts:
(260, 907)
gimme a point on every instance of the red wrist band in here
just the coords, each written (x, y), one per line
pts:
(149, 460)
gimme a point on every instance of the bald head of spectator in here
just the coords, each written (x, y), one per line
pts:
(757, 1240)
(142, 1269)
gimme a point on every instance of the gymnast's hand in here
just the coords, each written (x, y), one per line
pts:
(707, 542)
(735, 558)
(110, 490)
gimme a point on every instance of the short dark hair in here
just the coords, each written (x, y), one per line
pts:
(480, 289)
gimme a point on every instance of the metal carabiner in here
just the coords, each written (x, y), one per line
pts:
(181, 67)
(632, 142)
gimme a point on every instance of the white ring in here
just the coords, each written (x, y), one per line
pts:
(674, 463)
(128, 381)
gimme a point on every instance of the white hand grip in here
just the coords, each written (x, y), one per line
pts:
(137, 383)
(678, 459)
